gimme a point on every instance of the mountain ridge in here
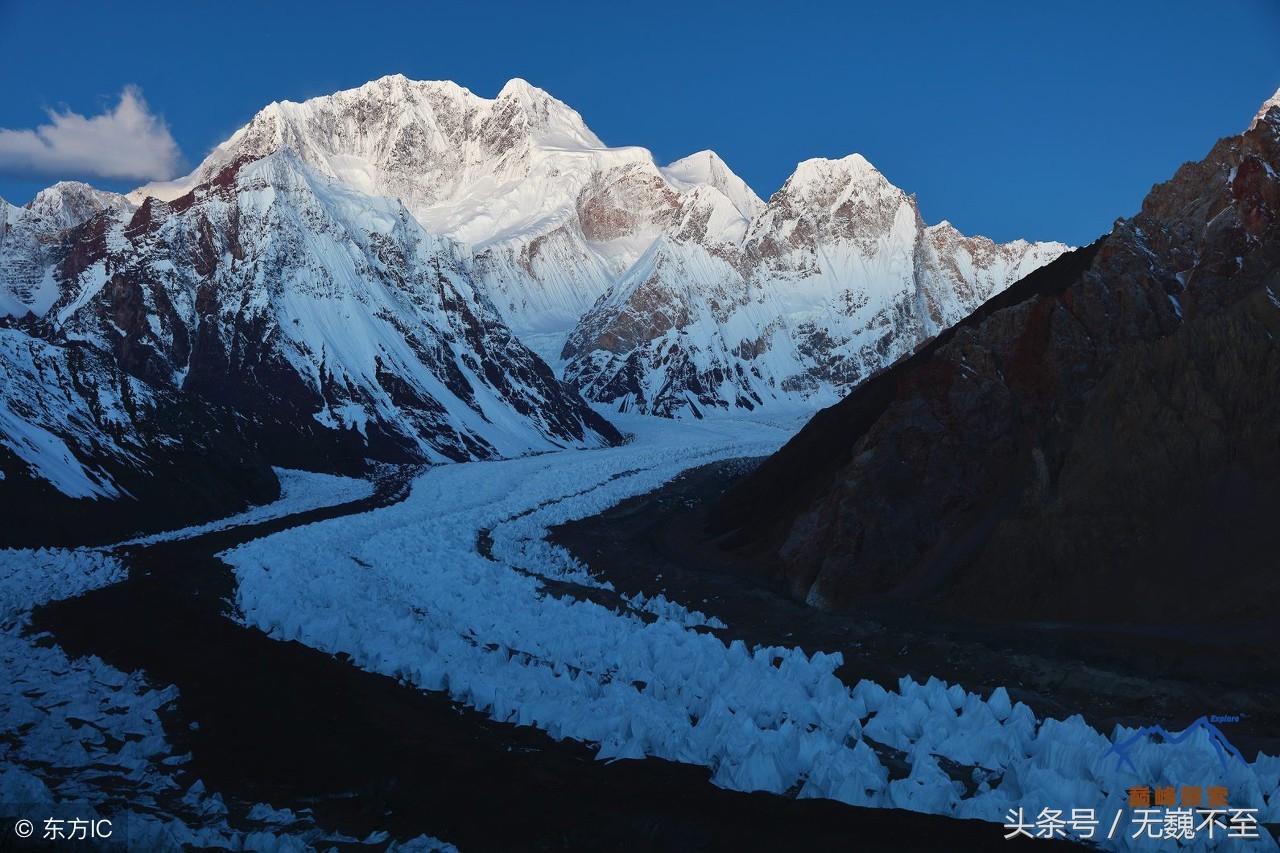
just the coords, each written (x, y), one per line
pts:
(554, 221)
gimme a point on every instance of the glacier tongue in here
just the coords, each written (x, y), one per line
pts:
(773, 718)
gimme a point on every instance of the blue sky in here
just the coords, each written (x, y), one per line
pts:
(1011, 119)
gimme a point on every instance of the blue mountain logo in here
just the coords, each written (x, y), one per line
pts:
(1221, 744)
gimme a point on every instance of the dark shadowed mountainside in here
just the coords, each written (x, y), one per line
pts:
(1099, 442)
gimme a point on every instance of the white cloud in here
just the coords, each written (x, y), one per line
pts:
(127, 143)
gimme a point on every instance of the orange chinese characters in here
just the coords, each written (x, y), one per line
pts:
(1139, 798)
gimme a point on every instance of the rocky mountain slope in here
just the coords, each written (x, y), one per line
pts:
(1094, 443)
(320, 312)
(84, 447)
(31, 242)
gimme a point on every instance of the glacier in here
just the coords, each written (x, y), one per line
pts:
(406, 592)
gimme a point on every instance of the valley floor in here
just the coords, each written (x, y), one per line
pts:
(426, 651)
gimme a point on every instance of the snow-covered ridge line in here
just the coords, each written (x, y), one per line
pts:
(437, 614)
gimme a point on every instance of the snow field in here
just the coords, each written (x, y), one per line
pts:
(405, 592)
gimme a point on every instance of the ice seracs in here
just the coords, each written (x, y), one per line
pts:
(86, 741)
(634, 680)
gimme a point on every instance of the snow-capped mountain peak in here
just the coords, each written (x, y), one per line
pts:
(706, 168)
(834, 278)
(547, 217)
(831, 202)
(1267, 106)
(552, 123)
(550, 215)
(31, 242)
(422, 140)
(70, 203)
(833, 182)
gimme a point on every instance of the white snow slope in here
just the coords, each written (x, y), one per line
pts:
(404, 591)
(502, 176)
(61, 436)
